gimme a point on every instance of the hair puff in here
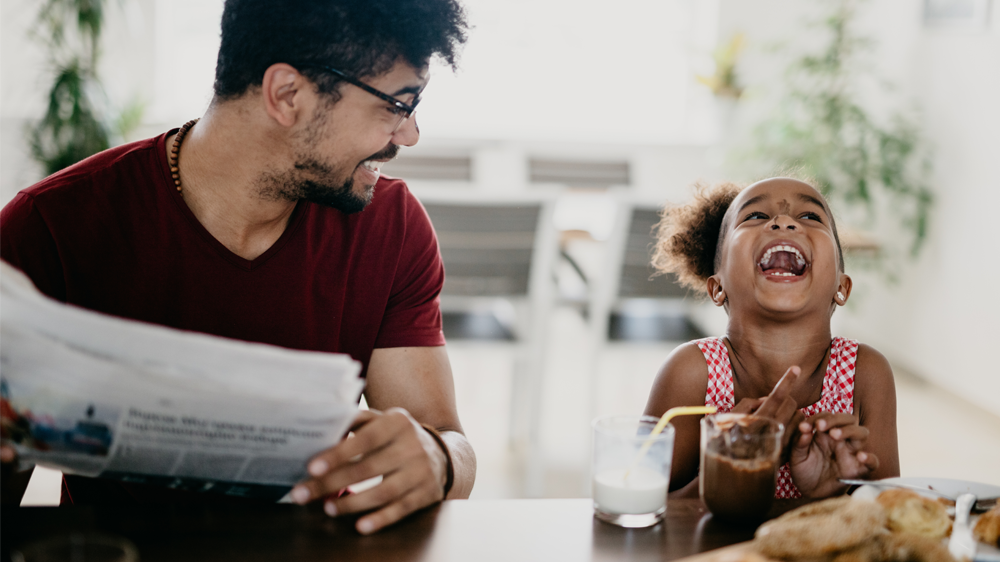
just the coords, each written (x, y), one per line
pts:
(688, 235)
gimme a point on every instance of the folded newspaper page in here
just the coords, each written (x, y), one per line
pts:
(97, 395)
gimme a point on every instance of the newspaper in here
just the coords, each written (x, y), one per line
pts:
(100, 396)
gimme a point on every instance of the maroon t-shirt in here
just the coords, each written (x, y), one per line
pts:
(112, 234)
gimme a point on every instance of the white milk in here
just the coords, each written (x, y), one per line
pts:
(644, 491)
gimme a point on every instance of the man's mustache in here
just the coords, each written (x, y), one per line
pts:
(387, 153)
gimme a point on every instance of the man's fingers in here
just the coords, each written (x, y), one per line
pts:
(392, 512)
(393, 487)
(363, 417)
(395, 457)
(373, 433)
(7, 454)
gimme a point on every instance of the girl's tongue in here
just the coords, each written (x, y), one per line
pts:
(782, 263)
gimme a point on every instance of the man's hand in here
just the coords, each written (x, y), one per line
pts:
(820, 458)
(12, 482)
(392, 445)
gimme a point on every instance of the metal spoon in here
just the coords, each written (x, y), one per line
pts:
(962, 545)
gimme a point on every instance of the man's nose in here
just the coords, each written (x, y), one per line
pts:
(783, 221)
(408, 133)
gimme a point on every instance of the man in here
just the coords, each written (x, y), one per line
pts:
(267, 221)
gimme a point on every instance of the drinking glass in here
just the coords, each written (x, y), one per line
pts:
(739, 465)
(629, 485)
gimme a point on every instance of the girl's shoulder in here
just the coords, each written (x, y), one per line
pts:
(874, 386)
(681, 380)
(872, 365)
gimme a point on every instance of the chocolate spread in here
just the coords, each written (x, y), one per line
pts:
(740, 489)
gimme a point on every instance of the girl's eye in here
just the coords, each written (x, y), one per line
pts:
(395, 110)
(755, 215)
(812, 217)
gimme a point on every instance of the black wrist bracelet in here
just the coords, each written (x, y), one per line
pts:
(450, 468)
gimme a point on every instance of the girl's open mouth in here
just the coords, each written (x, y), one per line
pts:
(783, 260)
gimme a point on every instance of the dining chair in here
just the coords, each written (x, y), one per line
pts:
(499, 254)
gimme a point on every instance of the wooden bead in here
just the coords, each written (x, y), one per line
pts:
(175, 151)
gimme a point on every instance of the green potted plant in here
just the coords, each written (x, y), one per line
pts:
(76, 123)
(872, 168)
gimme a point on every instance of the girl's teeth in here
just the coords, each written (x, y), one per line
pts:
(771, 250)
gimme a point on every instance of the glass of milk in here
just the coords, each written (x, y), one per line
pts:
(630, 490)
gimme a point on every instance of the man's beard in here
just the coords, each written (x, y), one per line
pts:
(312, 180)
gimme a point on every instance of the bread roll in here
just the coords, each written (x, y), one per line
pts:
(987, 529)
(821, 528)
(909, 512)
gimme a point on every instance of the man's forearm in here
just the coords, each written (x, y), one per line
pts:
(463, 459)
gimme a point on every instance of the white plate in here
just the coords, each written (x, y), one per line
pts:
(953, 488)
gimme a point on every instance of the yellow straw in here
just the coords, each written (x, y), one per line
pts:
(664, 420)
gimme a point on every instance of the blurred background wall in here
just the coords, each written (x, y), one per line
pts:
(557, 83)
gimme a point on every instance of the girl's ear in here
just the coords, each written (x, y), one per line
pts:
(715, 291)
(843, 289)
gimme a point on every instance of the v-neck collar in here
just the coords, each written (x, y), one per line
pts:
(167, 183)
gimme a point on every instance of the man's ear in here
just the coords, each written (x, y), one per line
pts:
(286, 94)
(843, 289)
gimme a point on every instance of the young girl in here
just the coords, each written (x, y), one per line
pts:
(770, 255)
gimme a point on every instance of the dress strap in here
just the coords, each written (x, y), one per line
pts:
(720, 391)
(838, 383)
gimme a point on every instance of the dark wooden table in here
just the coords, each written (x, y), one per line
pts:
(480, 530)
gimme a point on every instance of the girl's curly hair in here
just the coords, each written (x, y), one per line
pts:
(688, 235)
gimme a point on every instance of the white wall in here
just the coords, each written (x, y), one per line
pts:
(941, 321)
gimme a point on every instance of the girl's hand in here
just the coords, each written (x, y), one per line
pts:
(829, 447)
(779, 406)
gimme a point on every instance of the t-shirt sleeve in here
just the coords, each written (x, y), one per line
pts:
(26, 243)
(413, 313)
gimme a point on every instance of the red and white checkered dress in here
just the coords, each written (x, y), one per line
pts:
(837, 397)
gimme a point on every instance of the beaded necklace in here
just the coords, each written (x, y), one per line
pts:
(175, 153)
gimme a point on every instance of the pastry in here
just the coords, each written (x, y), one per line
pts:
(987, 529)
(909, 512)
(821, 528)
(897, 547)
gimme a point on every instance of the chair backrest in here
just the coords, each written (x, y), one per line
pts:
(488, 249)
(638, 279)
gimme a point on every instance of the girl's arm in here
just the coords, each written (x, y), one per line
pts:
(681, 381)
(875, 406)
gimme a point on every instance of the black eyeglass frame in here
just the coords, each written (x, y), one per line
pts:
(406, 109)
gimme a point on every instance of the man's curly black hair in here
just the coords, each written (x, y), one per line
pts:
(363, 38)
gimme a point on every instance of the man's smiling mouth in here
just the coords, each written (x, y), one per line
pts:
(373, 165)
(782, 260)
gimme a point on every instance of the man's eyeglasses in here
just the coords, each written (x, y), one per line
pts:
(399, 111)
